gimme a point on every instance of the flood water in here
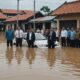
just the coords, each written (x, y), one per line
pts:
(39, 63)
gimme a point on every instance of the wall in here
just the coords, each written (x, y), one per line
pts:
(68, 17)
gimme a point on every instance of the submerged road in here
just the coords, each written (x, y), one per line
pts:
(39, 63)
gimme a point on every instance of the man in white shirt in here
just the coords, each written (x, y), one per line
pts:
(19, 36)
(63, 37)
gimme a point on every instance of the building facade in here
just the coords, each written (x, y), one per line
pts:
(2, 19)
(9, 17)
(23, 20)
(68, 15)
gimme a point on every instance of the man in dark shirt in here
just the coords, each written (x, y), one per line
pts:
(30, 38)
(51, 38)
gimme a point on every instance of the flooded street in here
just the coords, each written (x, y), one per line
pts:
(39, 63)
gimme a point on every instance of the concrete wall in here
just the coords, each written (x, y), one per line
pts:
(69, 17)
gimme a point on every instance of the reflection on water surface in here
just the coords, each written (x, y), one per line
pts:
(39, 63)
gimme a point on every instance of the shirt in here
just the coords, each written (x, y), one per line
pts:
(9, 34)
(73, 35)
(18, 33)
(50, 35)
(64, 33)
(30, 34)
(57, 33)
(68, 33)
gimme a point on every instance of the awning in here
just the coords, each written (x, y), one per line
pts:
(43, 19)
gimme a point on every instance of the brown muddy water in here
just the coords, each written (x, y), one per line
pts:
(39, 63)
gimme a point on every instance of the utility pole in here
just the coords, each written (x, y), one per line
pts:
(34, 14)
(17, 13)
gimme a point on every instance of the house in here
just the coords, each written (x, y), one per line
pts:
(23, 19)
(2, 18)
(9, 12)
(68, 15)
(10, 17)
(45, 22)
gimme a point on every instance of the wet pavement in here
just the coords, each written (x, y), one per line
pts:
(39, 63)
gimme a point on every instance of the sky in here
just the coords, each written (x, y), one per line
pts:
(28, 4)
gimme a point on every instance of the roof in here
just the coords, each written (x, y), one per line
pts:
(20, 17)
(8, 11)
(13, 11)
(27, 11)
(2, 16)
(43, 19)
(67, 8)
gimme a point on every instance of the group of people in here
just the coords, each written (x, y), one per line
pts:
(67, 37)
(18, 35)
(70, 37)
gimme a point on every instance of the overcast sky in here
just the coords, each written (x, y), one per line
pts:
(28, 4)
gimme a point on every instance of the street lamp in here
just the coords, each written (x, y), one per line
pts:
(34, 13)
(17, 13)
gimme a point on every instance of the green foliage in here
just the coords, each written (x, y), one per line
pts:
(46, 10)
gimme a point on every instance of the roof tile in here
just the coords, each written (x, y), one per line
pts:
(2, 16)
(20, 17)
(9, 11)
(67, 8)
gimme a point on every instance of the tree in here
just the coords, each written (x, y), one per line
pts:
(46, 10)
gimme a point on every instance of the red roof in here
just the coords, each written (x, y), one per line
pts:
(20, 17)
(2, 16)
(67, 8)
(27, 11)
(13, 11)
(8, 11)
